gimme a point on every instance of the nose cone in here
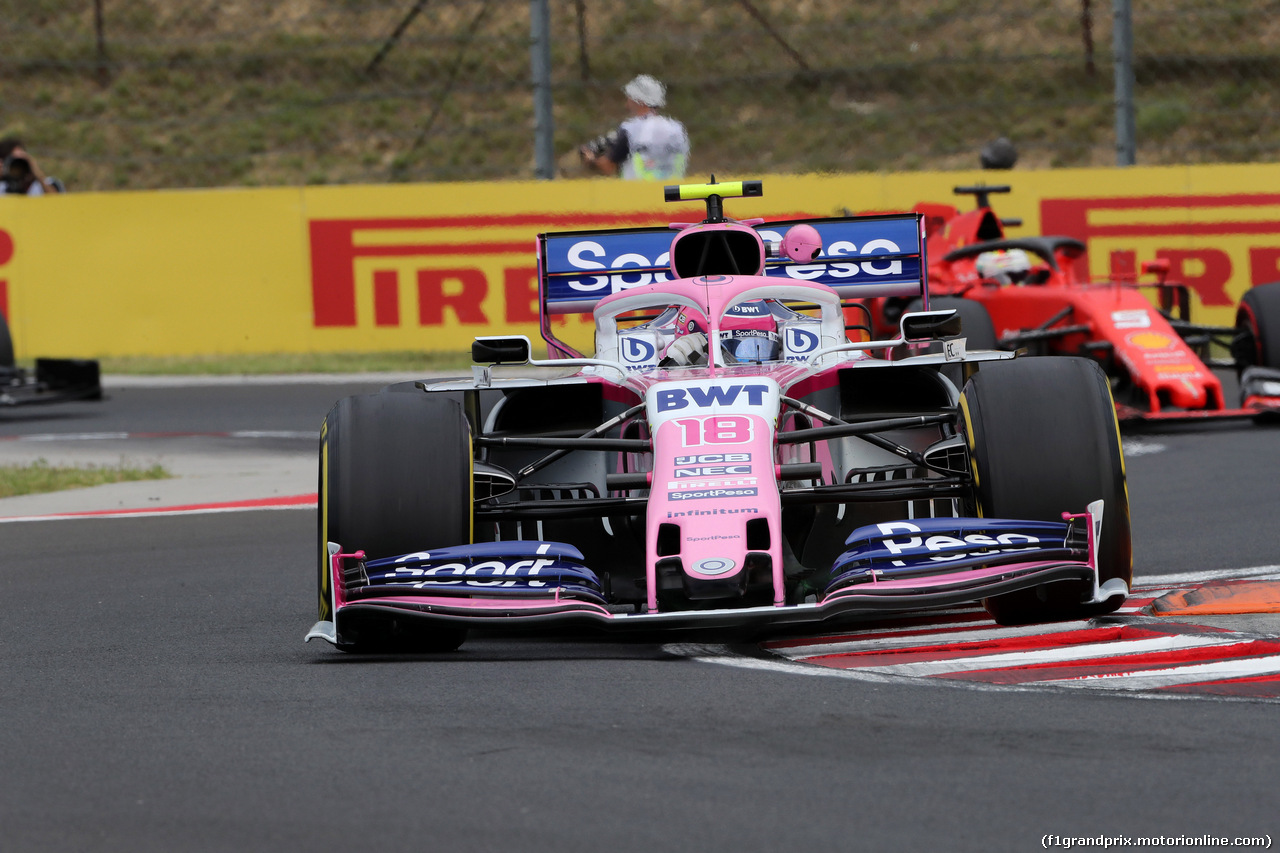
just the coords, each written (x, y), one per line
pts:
(1187, 394)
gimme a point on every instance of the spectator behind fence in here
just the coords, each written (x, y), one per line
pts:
(648, 146)
(22, 174)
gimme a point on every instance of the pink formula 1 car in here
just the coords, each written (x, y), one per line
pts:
(1027, 293)
(725, 457)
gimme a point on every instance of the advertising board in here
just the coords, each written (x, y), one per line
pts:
(429, 266)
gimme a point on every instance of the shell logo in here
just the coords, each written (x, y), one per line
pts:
(1150, 340)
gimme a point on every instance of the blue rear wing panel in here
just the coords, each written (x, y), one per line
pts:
(861, 257)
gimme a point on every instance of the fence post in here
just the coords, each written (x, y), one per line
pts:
(99, 29)
(540, 58)
(1122, 47)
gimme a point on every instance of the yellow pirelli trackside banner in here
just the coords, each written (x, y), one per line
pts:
(430, 266)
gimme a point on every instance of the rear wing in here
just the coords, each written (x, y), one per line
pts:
(862, 256)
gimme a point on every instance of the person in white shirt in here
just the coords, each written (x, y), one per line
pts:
(648, 146)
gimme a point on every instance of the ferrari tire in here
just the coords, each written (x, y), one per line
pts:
(395, 477)
(1043, 440)
(975, 323)
(1257, 338)
(6, 344)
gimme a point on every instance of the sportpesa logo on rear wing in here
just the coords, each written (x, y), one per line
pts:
(861, 256)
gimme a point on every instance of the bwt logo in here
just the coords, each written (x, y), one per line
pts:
(670, 399)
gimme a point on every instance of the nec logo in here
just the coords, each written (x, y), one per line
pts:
(671, 399)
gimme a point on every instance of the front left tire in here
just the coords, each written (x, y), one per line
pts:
(395, 477)
(1257, 338)
(1043, 440)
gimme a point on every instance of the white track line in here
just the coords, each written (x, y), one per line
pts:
(931, 639)
(1137, 682)
(1172, 676)
(1181, 579)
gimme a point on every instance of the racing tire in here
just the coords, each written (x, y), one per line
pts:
(1043, 440)
(1257, 338)
(6, 344)
(975, 323)
(395, 477)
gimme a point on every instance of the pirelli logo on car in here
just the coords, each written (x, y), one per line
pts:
(1218, 245)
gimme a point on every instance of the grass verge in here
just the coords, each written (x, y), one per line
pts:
(39, 477)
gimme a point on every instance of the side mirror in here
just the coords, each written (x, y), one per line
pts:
(923, 326)
(801, 243)
(501, 350)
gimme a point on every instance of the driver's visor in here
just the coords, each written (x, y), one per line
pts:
(751, 345)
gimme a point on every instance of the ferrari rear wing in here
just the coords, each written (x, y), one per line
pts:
(862, 256)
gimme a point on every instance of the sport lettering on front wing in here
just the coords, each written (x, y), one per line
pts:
(956, 548)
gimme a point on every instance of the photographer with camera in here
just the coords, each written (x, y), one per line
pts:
(648, 146)
(22, 175)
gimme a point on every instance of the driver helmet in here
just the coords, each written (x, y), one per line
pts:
(1004, 266)
(748, 331)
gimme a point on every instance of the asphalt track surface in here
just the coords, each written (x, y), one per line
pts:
(157, 697)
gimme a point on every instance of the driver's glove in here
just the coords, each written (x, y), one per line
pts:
(688, 350)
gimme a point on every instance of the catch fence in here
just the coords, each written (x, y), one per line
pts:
(132, 94)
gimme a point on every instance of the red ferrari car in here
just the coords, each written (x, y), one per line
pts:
(1025, 293)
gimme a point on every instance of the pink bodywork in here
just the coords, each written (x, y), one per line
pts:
(711, 431)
